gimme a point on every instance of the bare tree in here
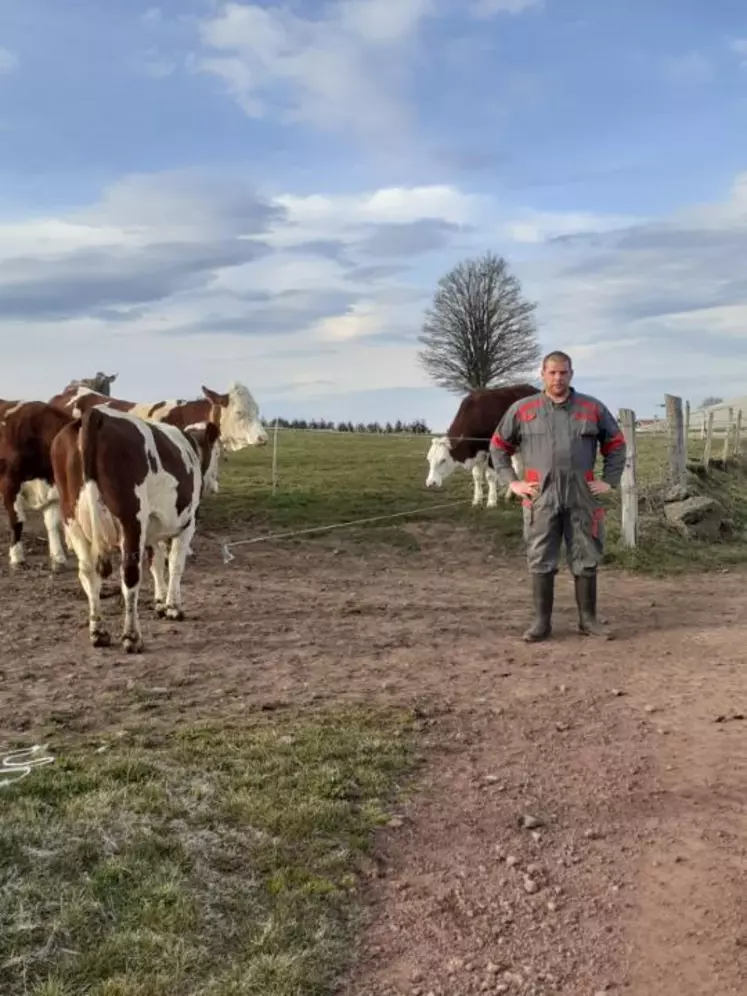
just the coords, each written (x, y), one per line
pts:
(480, 331)
(711, 400)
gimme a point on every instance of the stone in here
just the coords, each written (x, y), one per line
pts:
(697, 518)
(679, 492)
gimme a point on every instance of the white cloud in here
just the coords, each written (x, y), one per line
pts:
(484, 9)
(654, 306)
(325, 216)
(345, 70)
(152, 16)
(153, 64)
(739, 47)
(178, 279)
(364, 320)
(9, 62)
(691, 67)
(535, 227)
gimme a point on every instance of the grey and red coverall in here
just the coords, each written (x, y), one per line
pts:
(558, 447)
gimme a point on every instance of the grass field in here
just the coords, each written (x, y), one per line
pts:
(218, 862)
(327, 478)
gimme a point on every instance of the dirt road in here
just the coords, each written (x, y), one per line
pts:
(582, 824)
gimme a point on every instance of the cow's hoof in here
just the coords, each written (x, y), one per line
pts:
(101, 638)
(161, 610)
(132, 644)
(176, 615)
(57, 566)
(19, 566)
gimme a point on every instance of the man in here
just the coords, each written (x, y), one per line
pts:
(557, 432)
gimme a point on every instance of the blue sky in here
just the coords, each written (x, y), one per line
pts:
(198, 191)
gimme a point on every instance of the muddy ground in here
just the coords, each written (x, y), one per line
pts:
(582, 823)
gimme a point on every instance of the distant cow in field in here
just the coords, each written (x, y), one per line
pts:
(101, 383)
(467, 440)
(236, 413)
(134, 485)
(27, 429)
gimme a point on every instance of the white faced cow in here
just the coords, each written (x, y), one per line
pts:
(467, 440)
(131, 484)
(236, 413)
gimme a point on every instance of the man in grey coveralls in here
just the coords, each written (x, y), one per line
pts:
(557, 432)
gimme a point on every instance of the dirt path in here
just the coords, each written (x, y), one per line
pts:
(628, 760)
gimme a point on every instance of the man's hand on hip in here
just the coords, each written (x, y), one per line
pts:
(524, 489)
(599, 487)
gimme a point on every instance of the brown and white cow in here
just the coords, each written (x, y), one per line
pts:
(236, 413)
(129, 484)
(467, 440)
(27, 429)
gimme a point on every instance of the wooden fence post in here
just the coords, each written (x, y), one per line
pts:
(677, 448)
(687, 424)
(738, 435)
(629, 482)
(275, 458)
(704, 426)
(727, 437)
(708, 452)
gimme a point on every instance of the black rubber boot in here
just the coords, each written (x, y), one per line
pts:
(586, 600)
(543, 589)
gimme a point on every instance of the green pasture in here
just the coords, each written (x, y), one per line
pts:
(325, 478)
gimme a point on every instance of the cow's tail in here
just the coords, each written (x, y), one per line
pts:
(88, 443)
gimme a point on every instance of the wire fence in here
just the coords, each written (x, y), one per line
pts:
(324, 479)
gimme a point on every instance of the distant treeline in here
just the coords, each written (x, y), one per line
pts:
(418, 428)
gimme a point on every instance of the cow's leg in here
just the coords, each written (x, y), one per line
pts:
(133, 552)
(14, 506)
(477, 478)
(90, 582)
(53, 525)
(492, 479)
(177, 559)
(158, 573)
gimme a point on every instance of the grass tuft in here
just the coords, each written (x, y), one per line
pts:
(208, 862)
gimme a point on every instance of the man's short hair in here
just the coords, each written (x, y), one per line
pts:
(557, 354)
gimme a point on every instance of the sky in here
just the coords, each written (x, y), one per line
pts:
(200, 192)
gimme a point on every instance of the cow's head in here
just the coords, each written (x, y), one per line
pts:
(206, 437)
(240, 424)
(441, 463)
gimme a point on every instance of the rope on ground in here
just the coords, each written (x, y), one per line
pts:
(226, 547)
(20, 763)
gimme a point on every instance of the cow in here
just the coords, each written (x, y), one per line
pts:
(467, 440)
(101, 382)
(128, 483)
(236, 413)
(27, 429)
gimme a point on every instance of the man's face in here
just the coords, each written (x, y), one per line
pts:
(556, 376)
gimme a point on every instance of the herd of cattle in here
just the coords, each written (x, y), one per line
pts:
(109, 474)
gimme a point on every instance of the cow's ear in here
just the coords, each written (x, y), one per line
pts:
(217, 399)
